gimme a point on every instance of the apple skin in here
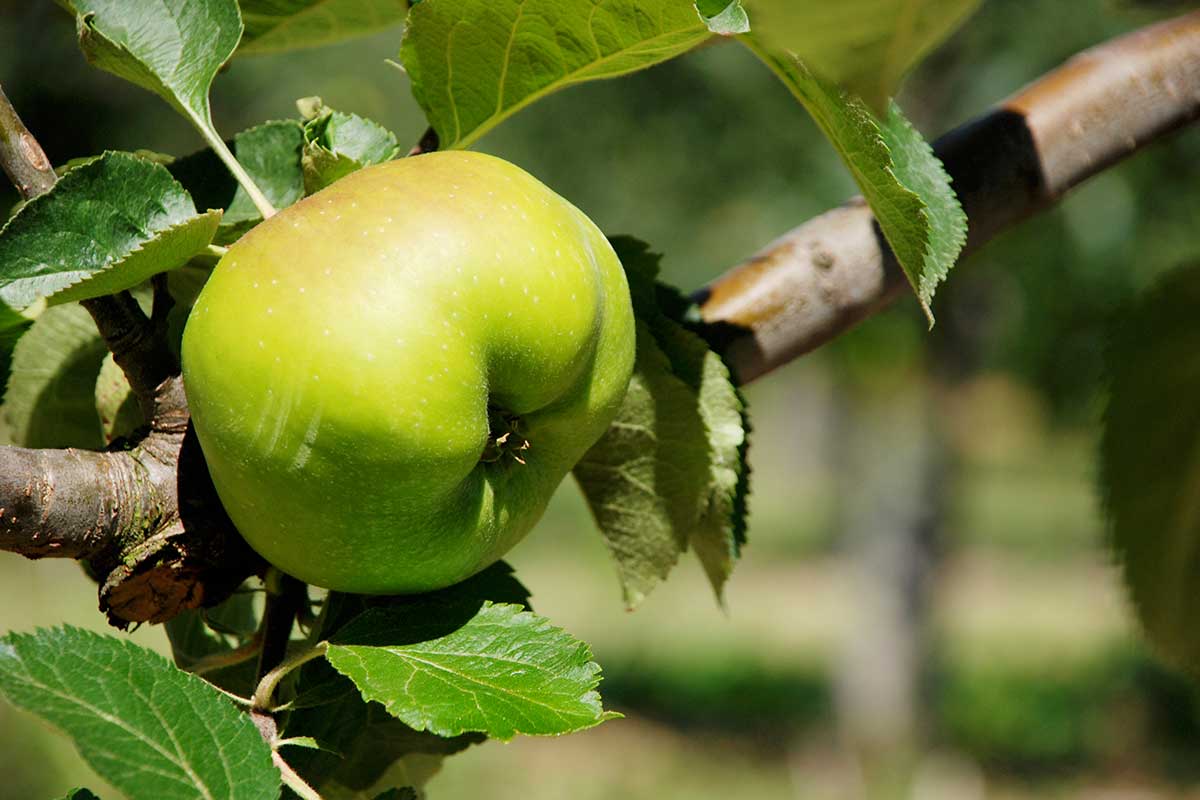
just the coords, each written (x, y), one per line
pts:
(342, 360)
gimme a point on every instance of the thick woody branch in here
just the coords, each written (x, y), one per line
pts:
(823, 277)
(49, 493)
(147, 517)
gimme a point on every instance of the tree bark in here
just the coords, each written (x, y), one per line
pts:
(820, 279)
(145, 516)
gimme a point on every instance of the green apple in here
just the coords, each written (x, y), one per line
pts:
(390, 378)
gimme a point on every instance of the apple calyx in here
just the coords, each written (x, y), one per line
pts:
(505, 438)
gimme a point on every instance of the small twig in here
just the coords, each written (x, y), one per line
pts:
(20, 154)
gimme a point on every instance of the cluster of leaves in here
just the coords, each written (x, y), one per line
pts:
(381, 688)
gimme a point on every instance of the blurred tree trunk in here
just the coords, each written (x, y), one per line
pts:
(895, 469)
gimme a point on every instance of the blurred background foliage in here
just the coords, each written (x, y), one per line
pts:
(927, 608)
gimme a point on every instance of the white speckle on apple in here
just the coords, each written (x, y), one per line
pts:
(370, 356)
(301, 290)
(326, 331)
(261, 345)
(270, 310)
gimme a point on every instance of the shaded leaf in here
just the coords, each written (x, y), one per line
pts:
(1150, 462)
(475, 62)
(116, 404)
(50, 401)
(865, 46)
(900, 177)
(273, 26)
(150, 730)
(505, 671)
(670, 472)
(107, 225)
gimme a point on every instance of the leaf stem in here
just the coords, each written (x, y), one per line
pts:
(222, 150)
(228, 658)
(266, 686)
(292, 779)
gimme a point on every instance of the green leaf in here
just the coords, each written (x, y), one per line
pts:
(171, 47)
(147, 728)
(502, 671)
(337, 143)
(1150, 462)
(271, 154)
(273, 26)
(865, 46)
(919, 170)
(670, 472)
(119, 412)
(50, 401)
(900, 177)
(174, 48)
(377, 750)
(107, 225)
(724, 17)
(475, 62)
